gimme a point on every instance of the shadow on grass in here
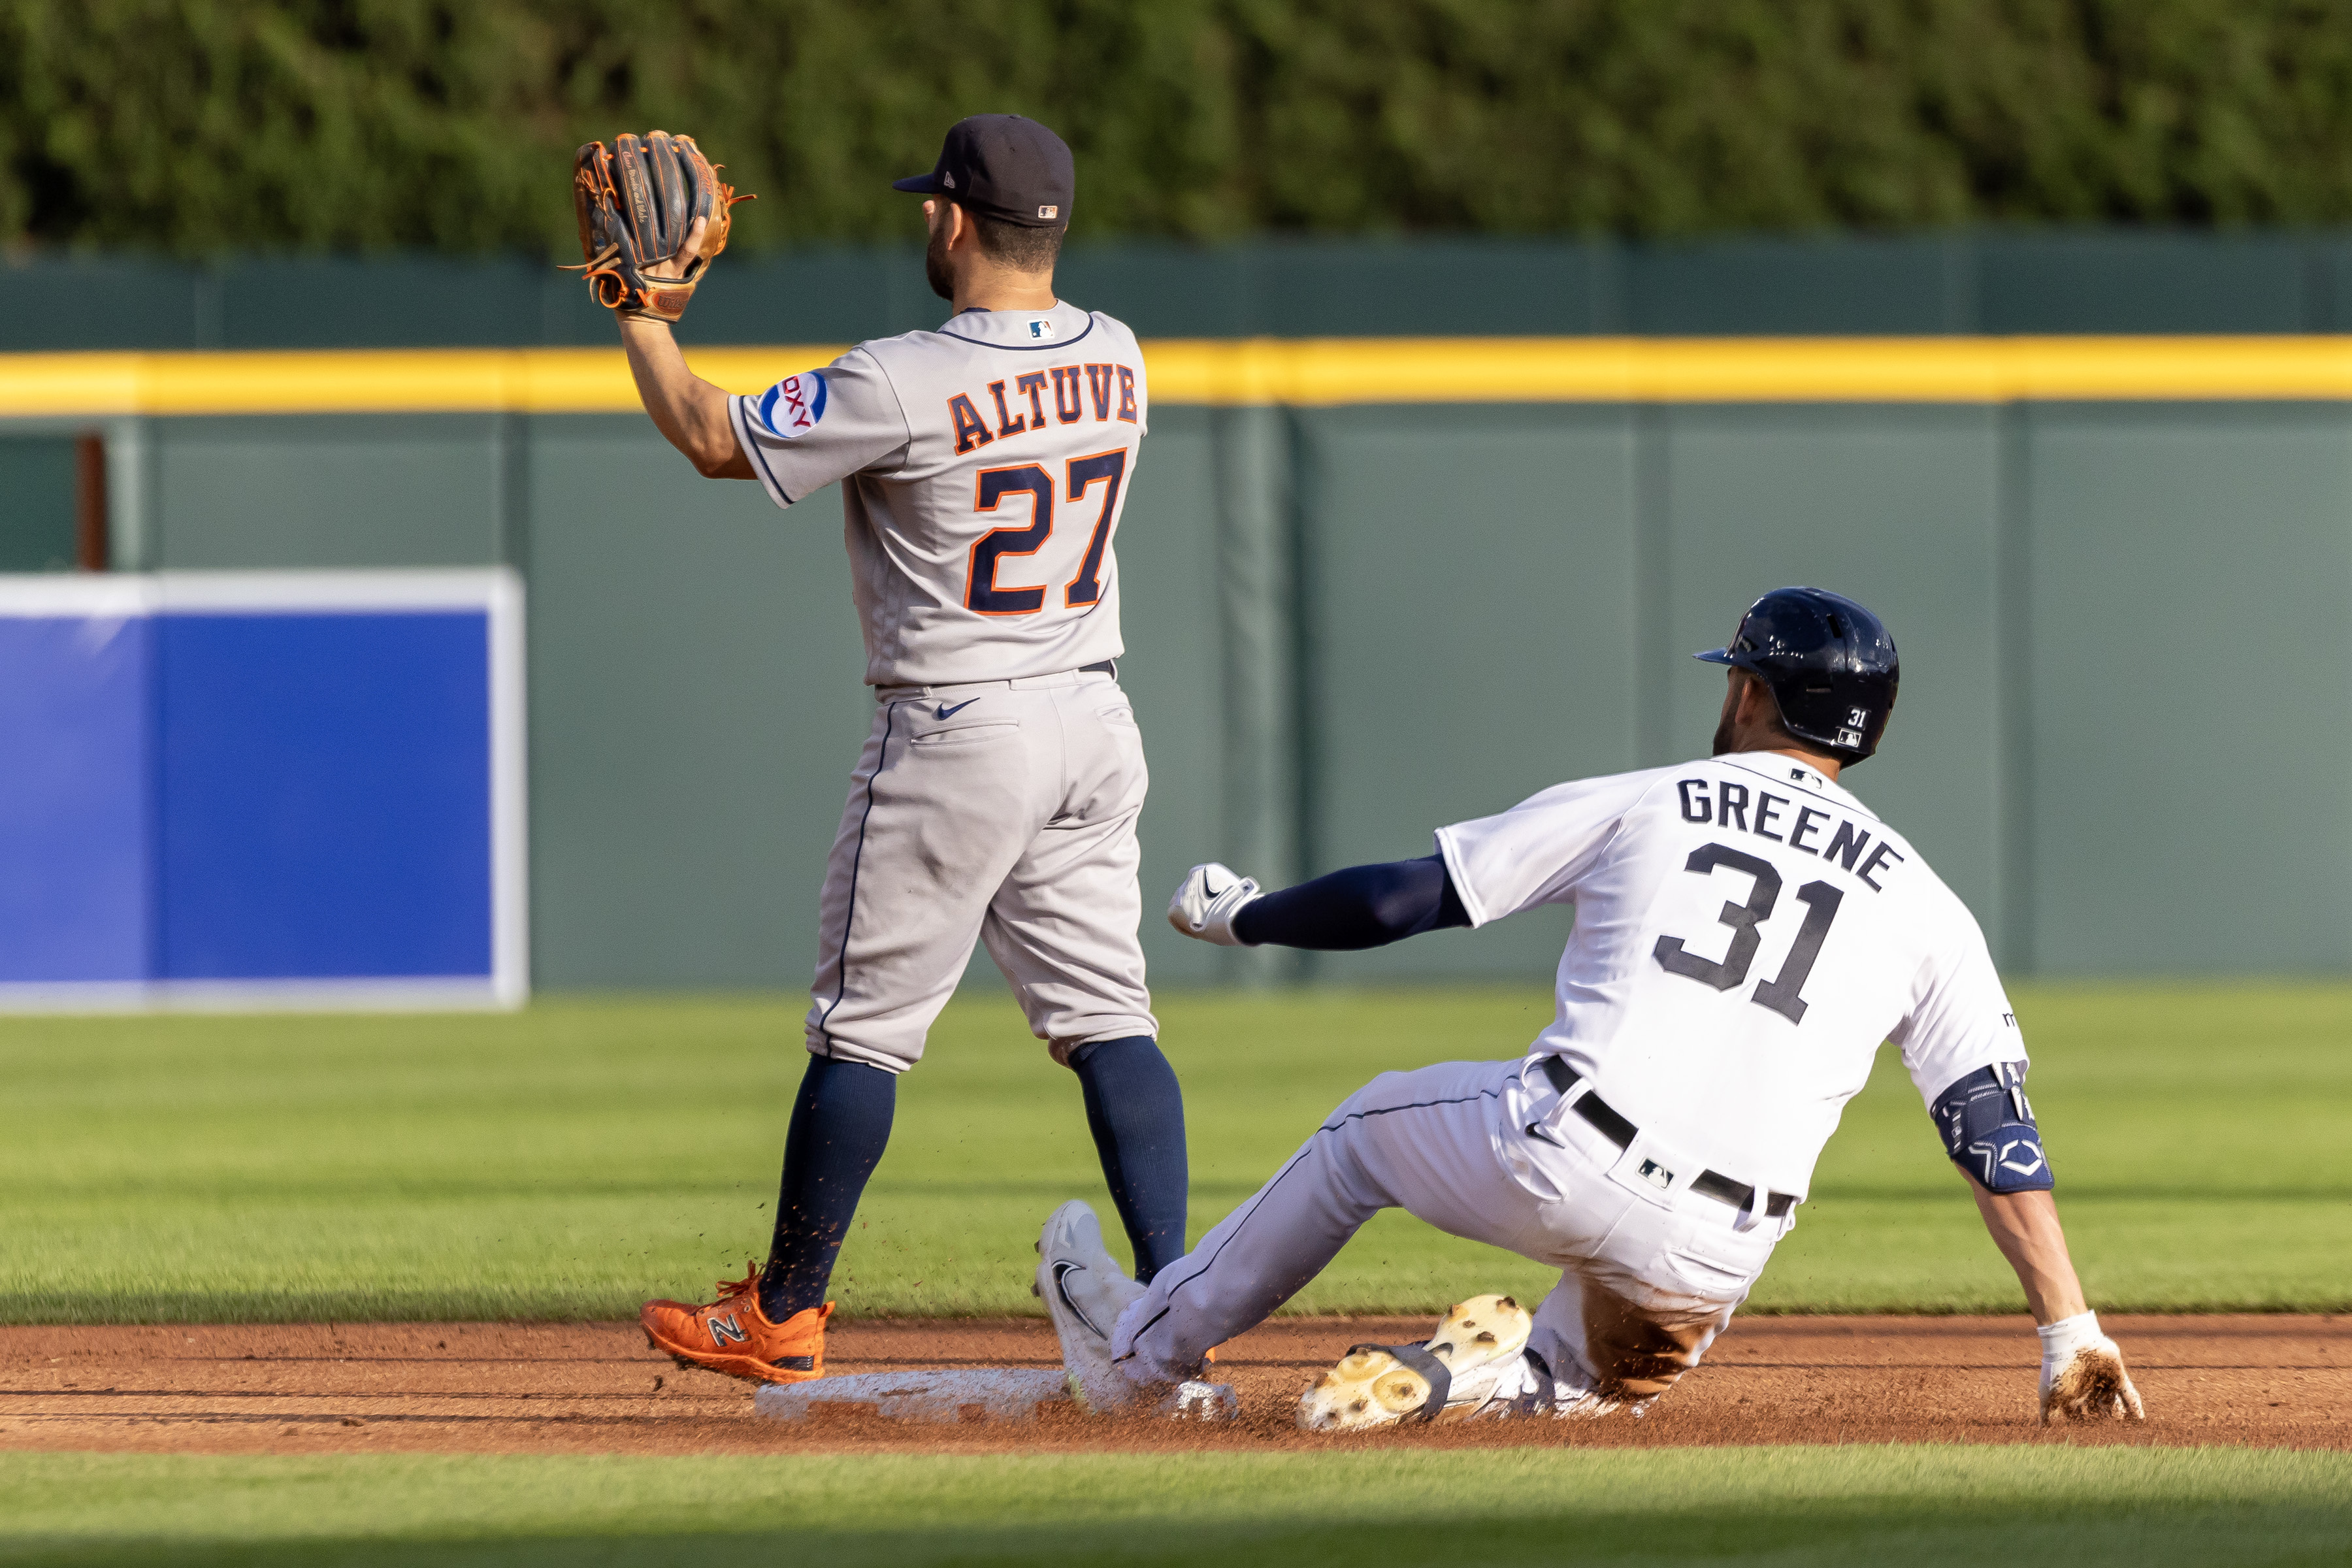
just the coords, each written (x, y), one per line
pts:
(1791, 1534)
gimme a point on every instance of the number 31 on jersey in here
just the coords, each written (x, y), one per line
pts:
(1780, 993)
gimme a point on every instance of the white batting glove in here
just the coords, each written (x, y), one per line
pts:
(1207, 900)
(2083, 1375)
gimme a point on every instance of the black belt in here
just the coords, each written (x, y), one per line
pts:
(1108, 667)
(1606, 1122)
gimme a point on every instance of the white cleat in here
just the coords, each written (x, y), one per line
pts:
(1475, 1356)
(1529, 1389)
(1085, 1290)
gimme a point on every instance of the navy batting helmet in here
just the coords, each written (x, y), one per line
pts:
(1829, 663)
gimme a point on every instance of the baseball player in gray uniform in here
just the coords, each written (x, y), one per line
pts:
(1747, 933)
(982, 469)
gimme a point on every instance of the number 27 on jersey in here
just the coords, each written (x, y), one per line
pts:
(1103, 472)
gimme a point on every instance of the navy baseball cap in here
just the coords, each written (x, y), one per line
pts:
(1003, 166)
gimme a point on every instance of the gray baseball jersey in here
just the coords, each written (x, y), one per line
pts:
(984, 466)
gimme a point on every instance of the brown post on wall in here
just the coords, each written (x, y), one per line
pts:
(89, 501)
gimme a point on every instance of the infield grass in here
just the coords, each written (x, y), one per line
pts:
(573, 1158)
(1924, 1507)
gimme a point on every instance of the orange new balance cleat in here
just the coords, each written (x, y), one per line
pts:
(733, 1336)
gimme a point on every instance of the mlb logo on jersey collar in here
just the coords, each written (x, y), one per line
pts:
(1041, 329)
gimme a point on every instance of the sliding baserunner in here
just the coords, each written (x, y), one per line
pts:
(1747, 934)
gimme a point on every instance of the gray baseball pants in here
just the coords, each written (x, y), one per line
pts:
(996, 811)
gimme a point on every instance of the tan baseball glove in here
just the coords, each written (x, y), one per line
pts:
(637, 203)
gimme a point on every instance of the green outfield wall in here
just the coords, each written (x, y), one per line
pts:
(2123, 734)
(1965, 282)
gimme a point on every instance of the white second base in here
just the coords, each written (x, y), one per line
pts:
(948, 1395)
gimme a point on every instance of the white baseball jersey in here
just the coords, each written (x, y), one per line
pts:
(1747, 934)
(983, 468)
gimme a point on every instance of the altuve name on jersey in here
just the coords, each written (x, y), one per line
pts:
(1807, 829)
(1108, 390)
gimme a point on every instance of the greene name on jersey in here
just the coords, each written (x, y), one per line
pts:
(1747, 933)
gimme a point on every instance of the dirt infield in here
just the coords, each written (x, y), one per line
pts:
(596, 1388)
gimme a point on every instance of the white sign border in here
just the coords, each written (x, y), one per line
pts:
(497, 591)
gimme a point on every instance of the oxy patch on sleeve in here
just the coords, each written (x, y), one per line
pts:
(1989, 1131)
(793, 405)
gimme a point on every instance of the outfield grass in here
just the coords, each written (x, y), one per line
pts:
(571, 1159)
(1918, 1506)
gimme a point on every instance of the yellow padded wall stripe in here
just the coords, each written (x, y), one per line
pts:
(1308, 372)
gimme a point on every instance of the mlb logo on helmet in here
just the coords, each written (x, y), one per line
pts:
(1829, 663)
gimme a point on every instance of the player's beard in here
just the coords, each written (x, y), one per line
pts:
(935, 265)
(1723, 725)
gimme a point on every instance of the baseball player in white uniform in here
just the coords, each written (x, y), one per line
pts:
(1747, 933)
(983, 469)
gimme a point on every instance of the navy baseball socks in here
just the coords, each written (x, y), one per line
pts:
(769, 1326)
(841, 1122)
(1136, 1112)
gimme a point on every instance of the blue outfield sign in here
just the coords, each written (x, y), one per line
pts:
(237, 789)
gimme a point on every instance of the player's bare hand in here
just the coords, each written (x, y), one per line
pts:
(1207, 900)
(681, 264)
(2090, 1384)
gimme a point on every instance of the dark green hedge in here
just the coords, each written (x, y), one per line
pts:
(203, 125)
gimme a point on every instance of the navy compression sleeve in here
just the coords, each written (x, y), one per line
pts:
(1363, 906)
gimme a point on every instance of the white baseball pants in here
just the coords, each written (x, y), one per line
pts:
(1001, 811)
(1648, 1278)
